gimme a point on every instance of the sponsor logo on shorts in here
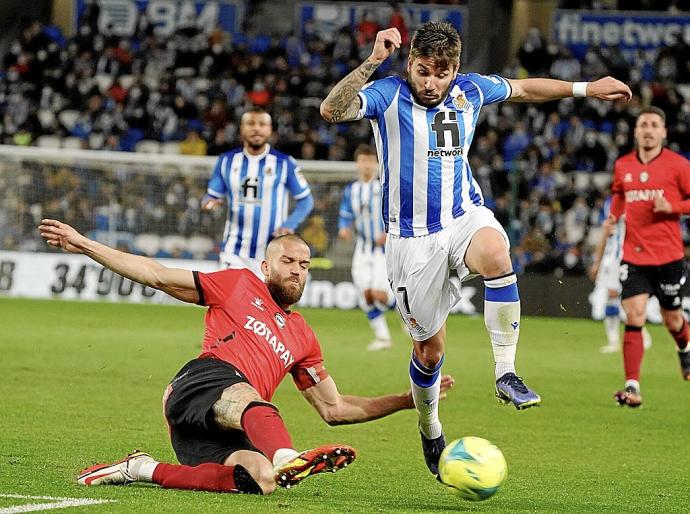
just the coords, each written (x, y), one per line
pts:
(416, 326)
(670, 289)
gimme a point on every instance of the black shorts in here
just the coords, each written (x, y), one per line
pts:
(663, 281)
(195, 436)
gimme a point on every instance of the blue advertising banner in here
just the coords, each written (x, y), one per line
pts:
(326, 18)
(630, 31)
(167, 15)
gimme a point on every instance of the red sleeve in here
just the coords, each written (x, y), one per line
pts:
(683, 206)
(214, 288)
(617, 193)
(309, 371)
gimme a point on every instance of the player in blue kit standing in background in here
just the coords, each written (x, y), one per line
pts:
(256, 180)
(432, 206)
(361, 208)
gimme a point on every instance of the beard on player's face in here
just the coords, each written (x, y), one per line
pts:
(419, 97)
(285, 291)
(255, 142)
(430, 79)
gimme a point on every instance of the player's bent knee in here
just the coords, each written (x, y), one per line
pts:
(234, 400)
(488, 254)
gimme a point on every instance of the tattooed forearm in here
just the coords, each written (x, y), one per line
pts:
(342, 103)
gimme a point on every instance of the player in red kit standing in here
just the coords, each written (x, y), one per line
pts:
(651, 187)
(225, 432)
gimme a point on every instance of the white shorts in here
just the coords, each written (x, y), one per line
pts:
(369, 271)
(233, 261)
(608, 276)
(419, 270)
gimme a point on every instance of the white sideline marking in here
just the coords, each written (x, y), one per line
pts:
(56, 503)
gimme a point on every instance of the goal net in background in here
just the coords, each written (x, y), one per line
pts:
(149, 204)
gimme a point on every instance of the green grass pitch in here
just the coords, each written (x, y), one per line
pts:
(82, 383)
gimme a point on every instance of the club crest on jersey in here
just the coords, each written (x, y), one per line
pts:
(280, 320)
(627, 177)
(460, 101)
(258, 303)
(268, 170)
(644, 176)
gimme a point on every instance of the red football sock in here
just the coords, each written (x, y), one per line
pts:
(265, 429)
(681, 336)
(204, 477)
(633, 349)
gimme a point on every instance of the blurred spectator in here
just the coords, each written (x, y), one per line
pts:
(533, 53)
(397, 20)
(366, 29)
(315, 234)
(193, 144)
(188, 87)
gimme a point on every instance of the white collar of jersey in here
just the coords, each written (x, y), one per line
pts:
(257, 157)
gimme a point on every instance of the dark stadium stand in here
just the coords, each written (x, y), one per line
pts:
(159, 94)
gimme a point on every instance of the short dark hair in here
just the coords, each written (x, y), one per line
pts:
(439, 40)
(256, 110)
(364, 150)
(653, 110)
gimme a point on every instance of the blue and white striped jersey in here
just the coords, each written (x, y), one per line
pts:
(361, 207)
(613, 250)
(257, 192)
(425, 174)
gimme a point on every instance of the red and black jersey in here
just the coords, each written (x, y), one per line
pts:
(651, 238)
(246, 328)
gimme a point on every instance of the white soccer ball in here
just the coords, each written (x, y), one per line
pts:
(472, 468)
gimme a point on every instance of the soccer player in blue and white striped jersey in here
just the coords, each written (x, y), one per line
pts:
(433, 207)
(256, 180)
(361, 208)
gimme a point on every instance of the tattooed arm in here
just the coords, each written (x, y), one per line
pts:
(342, 103)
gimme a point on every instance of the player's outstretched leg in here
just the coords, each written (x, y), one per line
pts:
(209, 476)
(318, 460)
(122, 472)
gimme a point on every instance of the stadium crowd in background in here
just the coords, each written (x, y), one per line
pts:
(190, 89)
